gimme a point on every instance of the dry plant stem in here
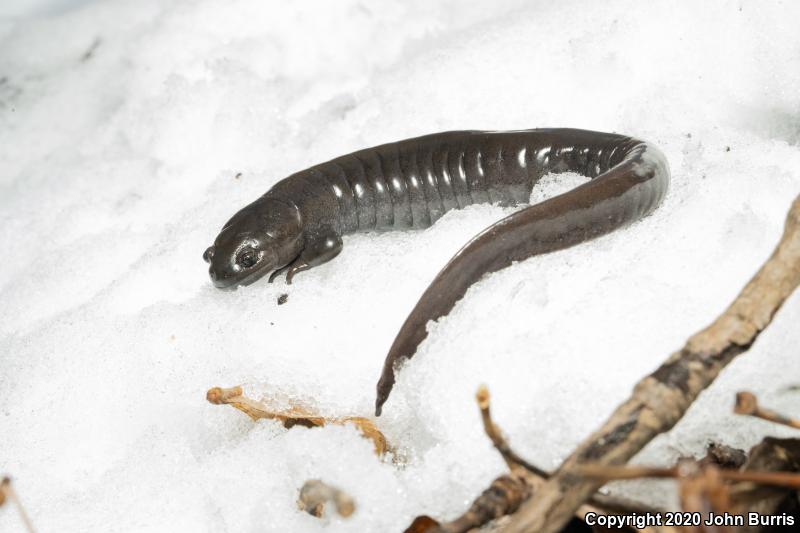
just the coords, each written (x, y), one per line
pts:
(294, 416)
(496, 436)
(659, 400)
(605, 473)
(702, 491)
(507, 492)
(7, 493)
(706, 487)
(747, 404)
(608, 473)
(315, 494)
(534, 475)
(503, 496)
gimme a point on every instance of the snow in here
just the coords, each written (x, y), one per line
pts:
(123, 124)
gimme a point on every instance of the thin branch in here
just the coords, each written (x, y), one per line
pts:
(660, 400)
(496, 436)
(747, 404)
(606, 473)
(761, 486)
(702, 491)
(7, 493)
(507, 492)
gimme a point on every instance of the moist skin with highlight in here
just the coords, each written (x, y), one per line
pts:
(299, 223)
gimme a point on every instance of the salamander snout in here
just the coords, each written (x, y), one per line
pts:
(259, 239)
(240, 262)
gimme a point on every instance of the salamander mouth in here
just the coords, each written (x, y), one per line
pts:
(230, 282)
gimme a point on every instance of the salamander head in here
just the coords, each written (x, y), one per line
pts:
(263, 237)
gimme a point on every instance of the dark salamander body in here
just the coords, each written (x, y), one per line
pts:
(299, 223)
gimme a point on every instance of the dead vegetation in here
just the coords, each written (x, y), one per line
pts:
(316, 494)
(507, 492)
(538, 502)
(529, 499)
(296, 415)
(660, 399)
(8, 496)
(747, 404)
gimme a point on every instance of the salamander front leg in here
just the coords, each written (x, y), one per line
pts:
(318, 252)
(278, 273)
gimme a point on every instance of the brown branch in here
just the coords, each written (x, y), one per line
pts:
(702, 491)
(7, 493)
(704, 487)
(315, 494)
(503, 497)
(294, 416)
(508, 491)
(766, 484)
(613, 473)
(496, 436)
(747, 404)
(660, 400)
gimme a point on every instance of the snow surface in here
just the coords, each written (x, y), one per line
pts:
(122, 127)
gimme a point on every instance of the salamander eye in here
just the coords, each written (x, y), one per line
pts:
(246, 258)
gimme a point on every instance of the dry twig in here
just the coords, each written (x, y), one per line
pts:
(314, 494)
(294, 416)
(496, 436)
(7, 493)
(790, 480)
(661, 399)
(747, 404)
(704, 487)
(702, 491)
(508, 491)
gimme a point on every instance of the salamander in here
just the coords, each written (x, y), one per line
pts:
(299, 223)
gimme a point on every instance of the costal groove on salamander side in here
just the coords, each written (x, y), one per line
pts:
(630, 179)
(412, 183)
